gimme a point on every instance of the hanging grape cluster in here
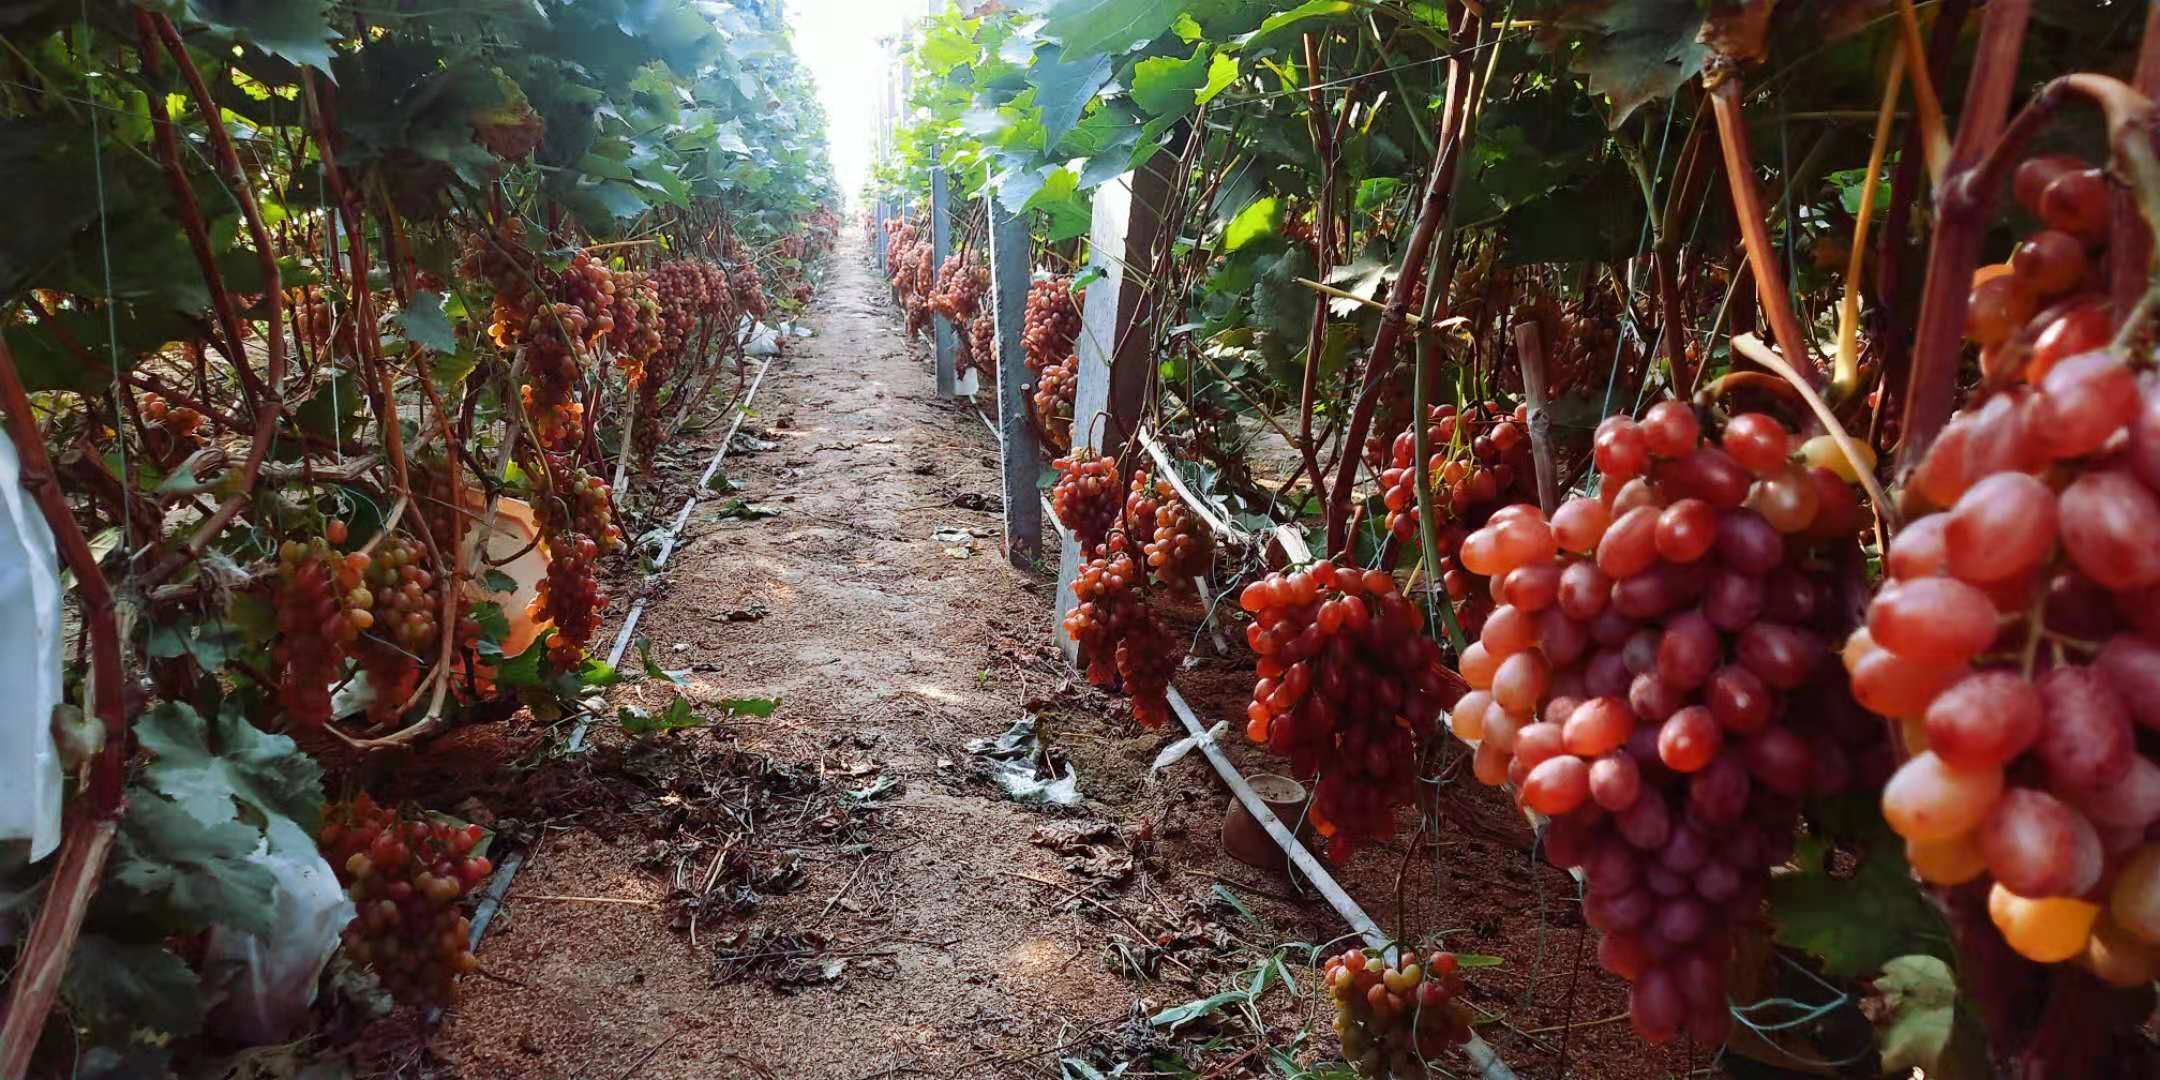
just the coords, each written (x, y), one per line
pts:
(2017, 638)
(1393, 1019)
(1052, 322)
(1052, 403)
(405, 601)
(1651, 680)
(1124, 641)
(1348, 688)
(1480, 461)
(1087, 496)
(958, 296)
(405, 875)
(170, 432)
(577, 526)
(321, 613)
(635, 338)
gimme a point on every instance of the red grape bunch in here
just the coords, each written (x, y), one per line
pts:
(635, 339)
(1052, 322)
(2049, 302)
(553, 339)
(1145, 496)
(749, 289)
(1053, 403)
(590, 286)
(1392, 1019)
(1086, 497)
(405, 875)
(1348, 688)
(1477, 465)
(979, 347)
(576, 528)
(1124, 641)
(1650, 681)
(1182, 546)
(405, 603)
(321, 612)
(2017, 640)
(958, 296)
(170, 432)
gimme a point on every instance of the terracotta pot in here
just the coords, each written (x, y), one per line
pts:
(1243, 836)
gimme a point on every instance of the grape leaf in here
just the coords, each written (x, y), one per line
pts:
(129, 992)
(264, 772)
(423, 323)
(1922, 997)
(1635, 50)
(296, 30)
(677, 716)
(1163, 85)
(751, 706)
(1257, 220)
(178, 874)
(1855, 925)
(653, 670)
(1097, 26)
(1062, 89)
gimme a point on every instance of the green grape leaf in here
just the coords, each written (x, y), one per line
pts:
(1635, 51)
(131, 992)
(423, 323)
(179, 874)
(1166, 85)
(1855, 924)
(264, 772)
(677, 716)
(1062, 90)
(1087, 27)
(1921, 995)
(295, 30)
(1260, 218)
(750, 706)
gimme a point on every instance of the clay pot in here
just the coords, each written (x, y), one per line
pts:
(1242, 835)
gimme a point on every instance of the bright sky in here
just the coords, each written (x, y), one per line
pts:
(838, 41)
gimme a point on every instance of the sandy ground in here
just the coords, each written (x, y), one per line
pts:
(834, 893)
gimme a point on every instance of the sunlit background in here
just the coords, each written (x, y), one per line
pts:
(838, 40)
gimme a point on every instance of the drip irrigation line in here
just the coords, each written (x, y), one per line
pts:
(667, 542)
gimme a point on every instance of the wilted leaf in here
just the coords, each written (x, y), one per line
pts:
(1922, 997)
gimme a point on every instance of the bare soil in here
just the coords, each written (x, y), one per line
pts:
(836, 892)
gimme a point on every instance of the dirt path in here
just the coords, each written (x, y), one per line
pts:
(879, 643)
(836, 892)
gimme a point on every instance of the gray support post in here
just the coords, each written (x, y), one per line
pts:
(1019, 451)
(941, 332)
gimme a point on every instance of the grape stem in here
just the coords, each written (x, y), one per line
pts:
(1886, 514)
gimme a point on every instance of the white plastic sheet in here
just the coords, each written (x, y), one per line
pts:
(272, 979)
(29, 665)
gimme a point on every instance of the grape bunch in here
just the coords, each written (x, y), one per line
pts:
(405, 602)
(1348, 687)
(1580, 339)
(553, 339)
(1144, 497)
(321, 612)
(978, 347)
(2016, 641)
(1480, 461)
(2049, 302)
(1124, 641)
(405, 875)
(586, 507)
(1053, 403)
(1391, 1019)
(1181, 548)
(635, 338)
(1085, 497)
(1650, 681)
(958, 292)
(576, 527)
(170, 432)
(1052, 322)
(918, 292)
(749, 289)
